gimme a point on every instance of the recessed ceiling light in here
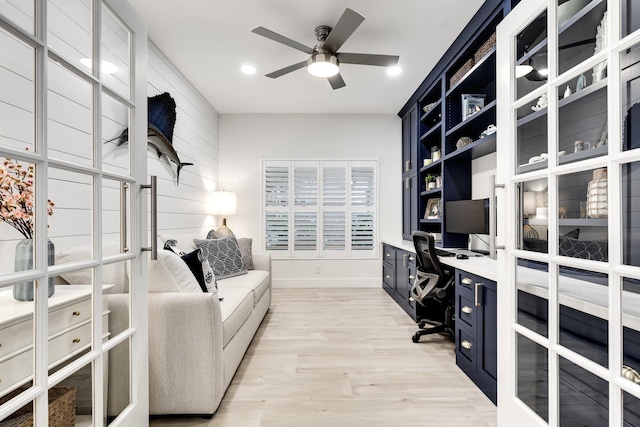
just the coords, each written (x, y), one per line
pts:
(106, 67)
(248, 69)
(394, 71)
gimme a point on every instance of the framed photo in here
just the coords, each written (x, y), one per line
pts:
(471, 104)
(433, 210)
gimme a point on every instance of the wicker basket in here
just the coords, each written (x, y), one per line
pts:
(485, 48)
(62, 409)
(461, 72)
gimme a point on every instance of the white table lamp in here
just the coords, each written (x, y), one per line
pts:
(223, 203)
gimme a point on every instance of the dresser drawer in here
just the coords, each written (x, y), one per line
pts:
(20, 367)
(465, 308)
(465, 343)
(389, 254)
(19, 335)
(388, 275)
(465, 279)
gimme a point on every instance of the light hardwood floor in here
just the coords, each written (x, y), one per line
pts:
(344, 357)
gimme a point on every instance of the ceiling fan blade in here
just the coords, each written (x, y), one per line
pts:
(368, 59)
(336, 81)
(261, 31)
(346, 25)
(287, 70)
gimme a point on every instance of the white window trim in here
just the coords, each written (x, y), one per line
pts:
(319, 252)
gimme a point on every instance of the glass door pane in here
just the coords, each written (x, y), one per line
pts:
(70, 111)
(17, 92)
(115, 68)
(531, 56)
(581, 32)
(69, 31)
(630, 97)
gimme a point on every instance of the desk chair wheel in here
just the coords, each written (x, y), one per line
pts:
(415, 337)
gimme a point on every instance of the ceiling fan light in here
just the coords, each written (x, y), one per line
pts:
(323, 65)
(522, 70)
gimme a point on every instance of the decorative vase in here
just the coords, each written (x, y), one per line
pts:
(597, 204)
(24, 261)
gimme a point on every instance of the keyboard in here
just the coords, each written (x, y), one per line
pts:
(442, 252)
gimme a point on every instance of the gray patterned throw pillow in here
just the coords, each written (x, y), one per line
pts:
(223, 255)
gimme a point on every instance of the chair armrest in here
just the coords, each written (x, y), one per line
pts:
(185, 353)
(262, 261)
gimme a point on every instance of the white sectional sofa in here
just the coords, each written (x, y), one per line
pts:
(196, 340)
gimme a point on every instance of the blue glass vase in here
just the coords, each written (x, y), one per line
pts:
(24, 261)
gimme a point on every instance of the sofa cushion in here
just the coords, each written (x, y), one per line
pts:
(244, 243)
(169, 273)
(256, 280)
(223, 255)
(236, 305)
(114, 273)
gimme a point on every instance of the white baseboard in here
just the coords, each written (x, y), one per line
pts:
(362, 282)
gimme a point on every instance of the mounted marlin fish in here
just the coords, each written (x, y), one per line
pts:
(162, 119)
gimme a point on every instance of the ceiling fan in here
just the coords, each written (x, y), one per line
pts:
(325, 59)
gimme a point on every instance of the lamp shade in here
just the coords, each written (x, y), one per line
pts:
(223, 203)
(529, 203)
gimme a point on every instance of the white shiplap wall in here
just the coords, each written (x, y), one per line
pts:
(183, 208)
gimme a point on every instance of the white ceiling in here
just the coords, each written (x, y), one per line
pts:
(209, 40)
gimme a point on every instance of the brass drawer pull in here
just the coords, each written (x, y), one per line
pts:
(466, 345)
(466, 309)
(411, 258)
(76, 340)
(76, 313)
(387, 277)
(388, 255)
(466, 280)
(411, 277)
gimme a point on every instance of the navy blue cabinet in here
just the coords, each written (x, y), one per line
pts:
(476, 330)
(398, 273)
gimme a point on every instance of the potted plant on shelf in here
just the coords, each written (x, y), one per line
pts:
(430, 180)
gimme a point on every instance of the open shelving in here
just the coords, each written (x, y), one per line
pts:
(440, 125)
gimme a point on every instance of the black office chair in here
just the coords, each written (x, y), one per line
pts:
(432, 289)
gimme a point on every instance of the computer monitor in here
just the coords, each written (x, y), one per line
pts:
(467, 216)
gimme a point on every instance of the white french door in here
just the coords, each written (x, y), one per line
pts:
(73, 305)
(569, 288)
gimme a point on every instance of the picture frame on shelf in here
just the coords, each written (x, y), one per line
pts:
(472, 103)
(433, 210)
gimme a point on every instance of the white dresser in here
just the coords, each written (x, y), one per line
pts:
(69, 331)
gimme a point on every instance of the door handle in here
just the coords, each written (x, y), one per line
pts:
(407, 166)
(404, 260)
(154, 217)
(124, 188)
(407, 183)
(478, 295)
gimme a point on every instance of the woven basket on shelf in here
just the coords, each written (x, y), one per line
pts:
(464, 69)
(485, 48)
(597, 203)
(62, 409)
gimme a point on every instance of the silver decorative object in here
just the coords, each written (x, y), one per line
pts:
(462, 142)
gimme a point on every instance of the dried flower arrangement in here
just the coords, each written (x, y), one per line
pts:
(17, 197)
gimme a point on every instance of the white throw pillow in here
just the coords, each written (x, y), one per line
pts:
(169, 273)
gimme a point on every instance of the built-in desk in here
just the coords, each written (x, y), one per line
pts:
(475, 300)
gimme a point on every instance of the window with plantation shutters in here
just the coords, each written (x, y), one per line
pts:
(320, 209)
